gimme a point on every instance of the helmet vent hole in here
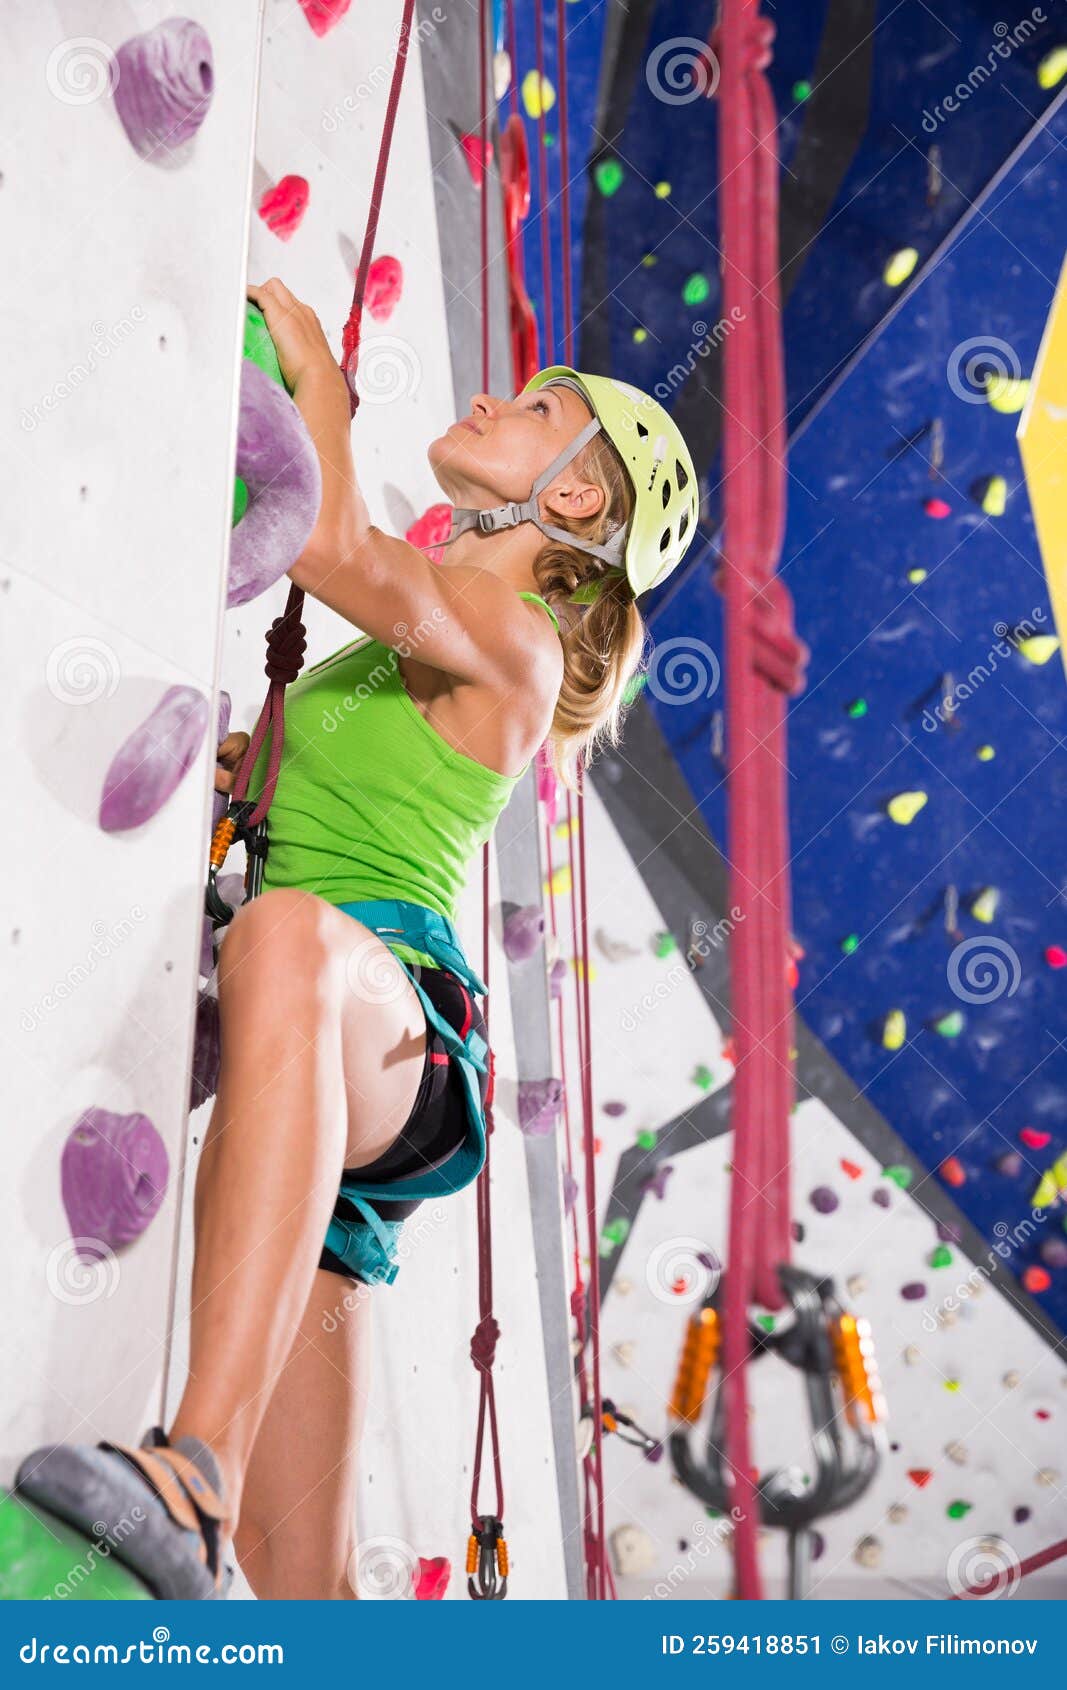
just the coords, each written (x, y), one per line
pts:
(680, 477)
(664, 539)
(642, 431)
(666, 492)
(683, 526)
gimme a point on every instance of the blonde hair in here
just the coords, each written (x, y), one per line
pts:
(603, 642)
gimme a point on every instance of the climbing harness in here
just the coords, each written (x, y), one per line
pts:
(834, 1352)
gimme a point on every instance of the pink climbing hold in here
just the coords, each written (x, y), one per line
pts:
(385, 283)
(323, 15)
(154, 760)
(431, 530)
(477, 157)
(432, 1579)
(539, 1106)
(546, 784)
(1056, 956)
(282, 207)
(938, 509)
(162, 84)
(113, 1177)
(1034, 1138)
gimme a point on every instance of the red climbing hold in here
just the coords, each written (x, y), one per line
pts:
(431, 530)
(282, 207)
(953, 1172)
(920, 1476)
(1056, 956)
(1037, 1279)
(322, 15)
(852, 1169)
(385, 282)
(938, 509)
(432, 1579)
(1034, 1139)
(477, 160)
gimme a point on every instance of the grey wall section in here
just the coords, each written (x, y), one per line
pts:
(651, 805)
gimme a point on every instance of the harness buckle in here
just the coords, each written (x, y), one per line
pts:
(487, 1560)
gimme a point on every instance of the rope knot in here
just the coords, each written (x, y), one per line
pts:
(286, 644)
(757, 45)
(483, 1343)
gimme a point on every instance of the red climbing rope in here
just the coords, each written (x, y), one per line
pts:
(286, 638)
(764, 664)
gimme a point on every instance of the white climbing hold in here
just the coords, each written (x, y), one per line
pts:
(1011, 1380)
(868, 1552)
(624, 1352)
(856, 1284)
(632, 1551)
(622, 1287)
(583, 1437)
(912, 1356)
(957, 1452)
(897, 1513)
(1049, 1477)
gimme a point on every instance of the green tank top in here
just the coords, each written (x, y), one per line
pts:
(371, 801)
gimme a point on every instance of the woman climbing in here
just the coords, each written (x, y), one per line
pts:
(354, 1066)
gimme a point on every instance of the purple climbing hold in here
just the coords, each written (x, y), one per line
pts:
(653, 1452)
(614, 1108)
(524, 930)
(656, 1183)
(1010, 1164)
(220, 801)
(162, 84)
(817, 1545)
(557, 974)
(154, 759)
(948, 1232)
(1021, 1515)
(278, 464)
(539, 1105)
(709, 1261)
(113, 1177)
(570, 1191)
(206, 1051)
(914, 1291)
(823, 1200)
(797, 1231)
(1053, 1252)
(880, 1196)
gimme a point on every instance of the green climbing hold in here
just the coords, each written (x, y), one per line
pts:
(957, 1510)
(666, 944)
(608, 175)
(613, 1235)
(703, 1077)
(696, 289)
(767, 1322)
(634, 687)
(801, 91)
(950, 1026)
(941, 1257)
(899, 1175)
(850, 943)
(258, 344)
(647, 1138)
(43, 1559)
(240, 500)
(858, 707)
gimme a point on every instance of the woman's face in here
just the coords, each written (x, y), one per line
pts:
(495, 454)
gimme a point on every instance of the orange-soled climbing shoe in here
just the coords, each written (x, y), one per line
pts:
(160, 1507)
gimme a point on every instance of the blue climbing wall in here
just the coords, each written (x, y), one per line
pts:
(887, 413)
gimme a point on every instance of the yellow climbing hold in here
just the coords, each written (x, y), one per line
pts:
(663, 190)
(560, 883)
(906, 806)
(562, 829)
(900, 266)
(1039, 648)
(894, 1029)
(1007, 394)
(916, 575)
(995, 496)
(640, 336)
(1051, 1186)
(1053, 68)
(576, 964)
(984, 907)
(537, 96)
(985, 753)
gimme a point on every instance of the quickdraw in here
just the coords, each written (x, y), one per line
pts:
(834, 1351)
(487, 1560)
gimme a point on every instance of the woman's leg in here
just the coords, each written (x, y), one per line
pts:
(297, 1530)
(323, 1040)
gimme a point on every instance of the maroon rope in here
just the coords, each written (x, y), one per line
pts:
(287, 639)
(1011, 1575)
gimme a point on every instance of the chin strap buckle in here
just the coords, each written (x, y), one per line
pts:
(504, 516)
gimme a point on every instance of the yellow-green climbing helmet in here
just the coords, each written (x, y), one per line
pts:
(657, 460)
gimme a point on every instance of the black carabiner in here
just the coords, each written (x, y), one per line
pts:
(255, 842)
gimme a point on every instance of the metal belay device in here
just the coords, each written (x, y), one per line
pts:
(835, 1353)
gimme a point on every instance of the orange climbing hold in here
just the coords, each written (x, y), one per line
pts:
(953, 1172)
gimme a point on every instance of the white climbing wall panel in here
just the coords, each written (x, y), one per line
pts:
(321, 110)
(123, 308)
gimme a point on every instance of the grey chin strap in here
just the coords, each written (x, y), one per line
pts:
(509, 516)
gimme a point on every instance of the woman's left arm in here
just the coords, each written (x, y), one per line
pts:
(461, 620)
